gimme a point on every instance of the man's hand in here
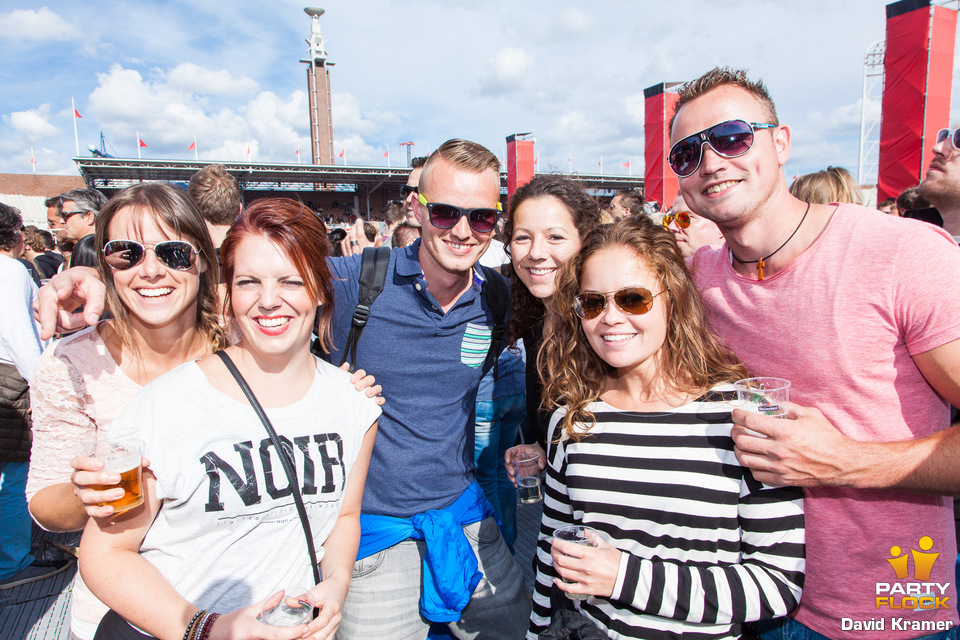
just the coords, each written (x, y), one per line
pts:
(804, 449)
(56, 301)
(356, 240)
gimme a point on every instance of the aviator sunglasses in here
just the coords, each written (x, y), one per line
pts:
(682, 218)
(121, 255)
(445, 216)
(952, 134)
(633, 300)
(730, 139)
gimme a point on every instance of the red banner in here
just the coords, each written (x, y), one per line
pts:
(659, 181)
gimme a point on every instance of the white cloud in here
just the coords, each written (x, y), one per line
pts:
(40, 25)
(507, 72)
(574, 20)
(34, 124)
(194, 78)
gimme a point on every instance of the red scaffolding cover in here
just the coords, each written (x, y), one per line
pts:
(659, 181)
(918, 74)
(520, 159)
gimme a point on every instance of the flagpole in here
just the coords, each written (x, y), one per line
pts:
(298, 153)
(196, 158)
(601, 165)
(76, 138)
(138, 145)
(570, 161)
(388, 156)
(33, 162)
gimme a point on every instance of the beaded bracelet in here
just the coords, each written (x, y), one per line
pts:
(207, 626)
(190, 633)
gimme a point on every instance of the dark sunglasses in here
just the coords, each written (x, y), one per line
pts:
(66, 215)
(953, 134)
(729, 139)
(445, 216)
(407, 189)
(633, 300)
(682, 219)
(121, 255)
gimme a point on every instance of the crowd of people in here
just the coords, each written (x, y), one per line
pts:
(603, 337)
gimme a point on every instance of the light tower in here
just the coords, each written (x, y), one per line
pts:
(318, 92)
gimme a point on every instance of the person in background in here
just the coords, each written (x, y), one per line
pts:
(404, 235)
(941, 182)
(219, 198)
(38, 249)
(833, 184)
(410, 190)
(688, 543)
(20, 348)
(75, 214)
(690, 230)
(394, 215)
(889, 206)
(625, 203)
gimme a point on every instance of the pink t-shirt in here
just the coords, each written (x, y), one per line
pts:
(841, 322)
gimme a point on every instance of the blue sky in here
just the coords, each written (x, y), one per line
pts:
(413, 70)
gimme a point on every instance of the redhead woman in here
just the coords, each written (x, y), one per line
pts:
(218, 534)
(682, 541)
(160, 272)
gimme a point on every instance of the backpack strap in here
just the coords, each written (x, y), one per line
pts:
(373, 276)
(498, 297)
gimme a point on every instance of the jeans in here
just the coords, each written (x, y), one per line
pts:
(497, 424)
(790, 629)
(385, 590)
(15, 519)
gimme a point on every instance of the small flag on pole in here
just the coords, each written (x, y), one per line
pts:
(76, 114)
(142, 143)
(32, 161)
(626, 164)
(193, 146)
(342, 151)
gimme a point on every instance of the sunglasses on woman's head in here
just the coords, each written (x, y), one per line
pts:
(635, 301)
(730, 139)
(121, 255)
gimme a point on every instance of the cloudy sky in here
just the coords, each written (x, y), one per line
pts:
(414, 70)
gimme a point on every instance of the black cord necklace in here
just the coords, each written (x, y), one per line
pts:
(760, 261)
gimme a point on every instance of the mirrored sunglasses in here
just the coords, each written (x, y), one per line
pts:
(121, 255)
(729, 139)
(952, 134)
(632, 300)
(445, 216)
(681, 217)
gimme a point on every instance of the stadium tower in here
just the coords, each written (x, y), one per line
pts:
(318, 91)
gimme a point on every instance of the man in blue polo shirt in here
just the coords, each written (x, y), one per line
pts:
(426, 343)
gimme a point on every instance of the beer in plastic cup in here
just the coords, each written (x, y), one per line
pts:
(120, 456)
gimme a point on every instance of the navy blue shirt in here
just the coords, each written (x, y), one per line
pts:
(430, 364)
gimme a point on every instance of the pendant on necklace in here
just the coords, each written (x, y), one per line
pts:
(760, 269)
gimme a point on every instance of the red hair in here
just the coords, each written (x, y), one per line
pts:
(301, 235)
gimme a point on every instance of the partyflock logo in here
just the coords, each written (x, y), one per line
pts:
(919, 593)
(908, 593)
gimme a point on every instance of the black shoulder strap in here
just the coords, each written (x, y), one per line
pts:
(285, 459)
(498, 297)
(373, 275)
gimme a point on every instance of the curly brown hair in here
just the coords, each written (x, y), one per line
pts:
(692, 359)
(527, 310)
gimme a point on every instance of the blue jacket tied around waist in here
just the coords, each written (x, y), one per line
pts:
(449, 567)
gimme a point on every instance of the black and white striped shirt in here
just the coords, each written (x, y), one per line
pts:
(706, 547)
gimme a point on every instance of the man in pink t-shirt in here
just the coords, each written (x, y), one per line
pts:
(861, 312)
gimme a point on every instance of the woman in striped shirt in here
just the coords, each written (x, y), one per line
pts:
(689, 543)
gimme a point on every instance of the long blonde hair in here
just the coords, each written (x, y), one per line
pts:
(692, 359)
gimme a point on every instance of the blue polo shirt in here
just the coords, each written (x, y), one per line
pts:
(430, 364)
